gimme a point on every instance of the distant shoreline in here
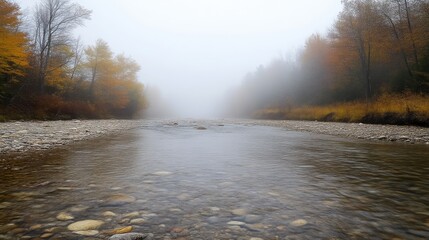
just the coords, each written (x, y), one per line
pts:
(375, 132)
(20, 137)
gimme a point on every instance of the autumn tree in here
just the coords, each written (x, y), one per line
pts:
(113, 83)
(99, 63)
(13, 47)
(358, 34)
(54, 22)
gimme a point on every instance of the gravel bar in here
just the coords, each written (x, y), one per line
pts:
(42, 135)
(376, 132)
(24, 136)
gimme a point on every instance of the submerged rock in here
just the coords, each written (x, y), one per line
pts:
(120, 199)
(162, 173)
(63, 216)
(239, 212)
(85, 225)
(131, 236)
(87, 232)
(299, 223)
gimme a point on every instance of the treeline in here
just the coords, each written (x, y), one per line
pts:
(374, 48)
(46, 73)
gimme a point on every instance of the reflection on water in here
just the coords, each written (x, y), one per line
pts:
(226, 182)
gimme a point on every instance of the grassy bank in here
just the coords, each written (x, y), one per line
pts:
(404, 109)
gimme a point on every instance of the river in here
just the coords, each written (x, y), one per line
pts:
(219, 181)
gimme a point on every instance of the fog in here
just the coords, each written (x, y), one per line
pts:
(195, 51)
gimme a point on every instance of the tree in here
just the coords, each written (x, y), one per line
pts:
(13, 42)
(13, 50)
(54, 21)
(99, 63)
(358, 32)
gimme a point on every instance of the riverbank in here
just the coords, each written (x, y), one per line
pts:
(374, 132)
(43, 135)
(403, 109)
(19, 137)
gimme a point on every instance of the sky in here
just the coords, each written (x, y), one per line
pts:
(194, 51)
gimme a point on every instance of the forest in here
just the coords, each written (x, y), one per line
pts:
(46, 73)
(372, 66)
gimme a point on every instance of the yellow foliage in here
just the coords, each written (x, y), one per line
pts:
(13, 55)
(399, 105)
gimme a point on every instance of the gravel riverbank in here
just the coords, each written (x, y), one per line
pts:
(25, 136)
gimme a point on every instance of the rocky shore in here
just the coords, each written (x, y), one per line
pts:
(376, 132)
(24, 136)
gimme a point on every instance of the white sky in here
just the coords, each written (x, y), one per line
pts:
(196, 50)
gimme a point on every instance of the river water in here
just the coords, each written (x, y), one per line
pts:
(229, 181)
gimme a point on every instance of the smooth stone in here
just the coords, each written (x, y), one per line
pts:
(184, 196)
(256, 238)
(119, 230)
(87, 232)
(131, 236)
(85, 225)
(138, 221)
(252, 218)
(239, 212)
(63, 216)
(213, 219)
(46, 235)
(298, 223)
(162, 173)
(132, 215)
(78, 208)
(8, 227)
(109, 214)
(120, 199)
(34, 227)
(214, 209)
(237, 223)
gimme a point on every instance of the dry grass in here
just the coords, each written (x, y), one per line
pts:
(390, 109)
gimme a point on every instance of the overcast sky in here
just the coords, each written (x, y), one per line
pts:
(195, 50)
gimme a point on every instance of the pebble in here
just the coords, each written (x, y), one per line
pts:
(131, 236)
(63, 216)
(299, 223)
(132, 215)
(109, 214)
(120, 199)
(87, 232)
(46, 235)
(237, 223)
(239, 212)
(85, 225)
(252, 218)
(162, 173)
(34, 227)
(138, 221)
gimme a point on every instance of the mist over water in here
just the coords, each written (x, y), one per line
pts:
(194, 52)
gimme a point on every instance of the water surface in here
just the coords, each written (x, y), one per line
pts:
(229, 181)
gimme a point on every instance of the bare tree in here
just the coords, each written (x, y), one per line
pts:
(55, 20)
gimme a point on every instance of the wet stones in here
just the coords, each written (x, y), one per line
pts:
(131, 236)
(298, 223)
(120, 199)
(239, 211)
(85, 225)
(63, 216)
(162, 173)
